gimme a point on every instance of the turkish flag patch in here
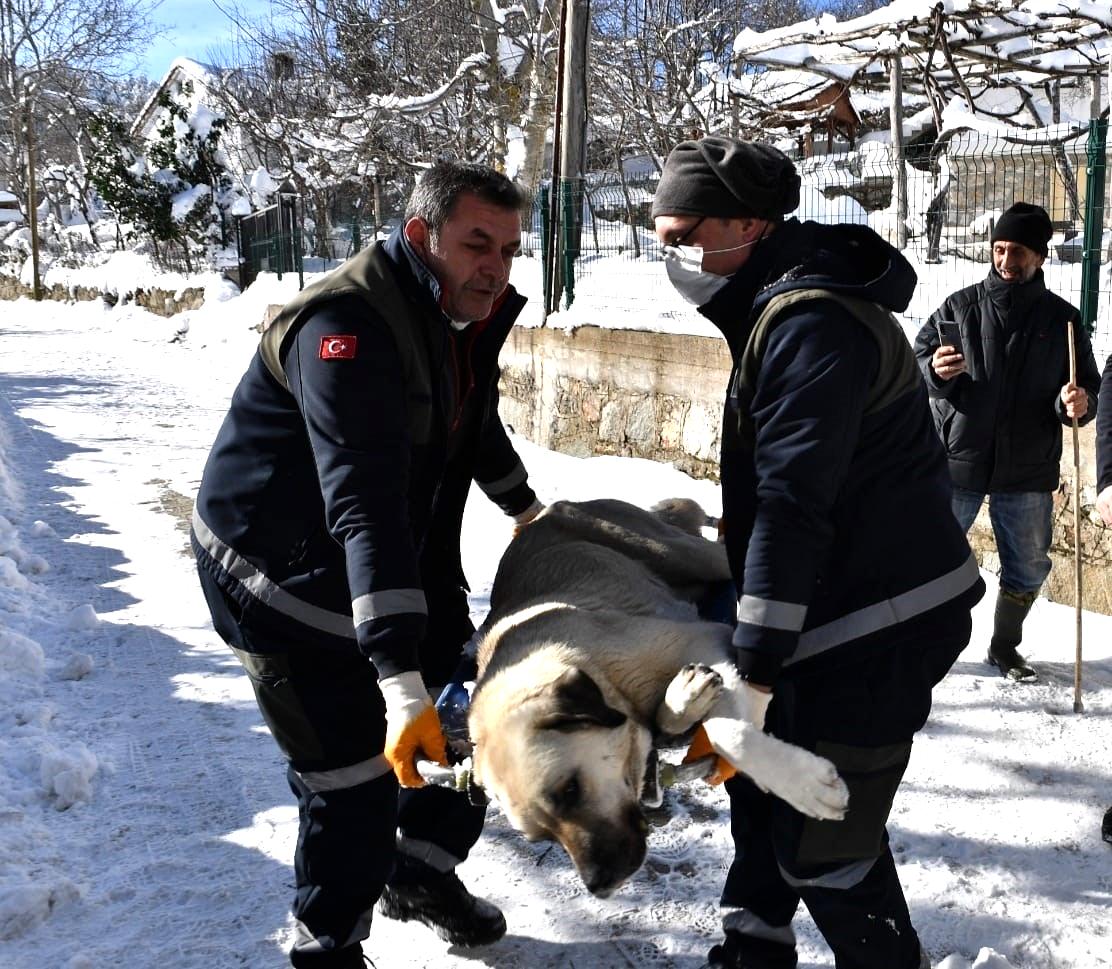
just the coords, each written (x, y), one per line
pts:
(337, 347)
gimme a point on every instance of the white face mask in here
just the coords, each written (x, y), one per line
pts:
(684, 265)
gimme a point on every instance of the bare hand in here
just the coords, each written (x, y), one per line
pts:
(1076, 401)
(1104, 505)
(947, 363)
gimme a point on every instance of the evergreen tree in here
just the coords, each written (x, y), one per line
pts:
(174, 190)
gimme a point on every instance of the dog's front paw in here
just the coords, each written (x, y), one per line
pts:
(809, 783)
(689, 698)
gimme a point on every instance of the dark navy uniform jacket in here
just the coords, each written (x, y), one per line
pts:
(317, 512)
(836, 498)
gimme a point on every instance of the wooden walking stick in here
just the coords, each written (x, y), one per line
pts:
(1077, 705)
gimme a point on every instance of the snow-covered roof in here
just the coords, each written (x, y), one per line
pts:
(181, 69)
(952, 41)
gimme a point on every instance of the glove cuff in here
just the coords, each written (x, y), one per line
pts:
(524, 517)
(757, 702)
(404, 694)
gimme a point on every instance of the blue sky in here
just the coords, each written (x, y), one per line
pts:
(192, 28)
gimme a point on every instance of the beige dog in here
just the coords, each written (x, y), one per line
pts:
(592, 643)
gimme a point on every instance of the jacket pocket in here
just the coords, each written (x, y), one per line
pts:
(872, 775)
(281, 705)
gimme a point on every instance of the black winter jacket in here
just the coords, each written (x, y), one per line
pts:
(836, 499)
(317, 504)
(1104, 428)
(1001, 421)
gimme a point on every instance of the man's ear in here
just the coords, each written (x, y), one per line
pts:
(752, 229)
(417, 233)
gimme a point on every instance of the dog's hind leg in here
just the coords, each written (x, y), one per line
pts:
(689, 698)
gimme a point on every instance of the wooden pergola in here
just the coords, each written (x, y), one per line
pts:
(942, 49)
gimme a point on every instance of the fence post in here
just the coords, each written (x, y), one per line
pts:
(899, 171)
(546, 275)
(241, 263)
(571, 226)
(280, 238)
(1094, 222)
(296, 240)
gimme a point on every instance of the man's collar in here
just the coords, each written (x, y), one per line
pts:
(425, 284)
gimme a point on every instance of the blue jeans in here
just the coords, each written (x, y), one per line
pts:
(1021, 526)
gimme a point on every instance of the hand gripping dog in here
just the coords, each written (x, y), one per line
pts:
(412, 727)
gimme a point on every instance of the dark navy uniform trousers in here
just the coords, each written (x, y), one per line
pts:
(326, 713)
(861, 715)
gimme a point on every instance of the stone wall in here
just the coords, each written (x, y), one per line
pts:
(161, 302)
(659, 396)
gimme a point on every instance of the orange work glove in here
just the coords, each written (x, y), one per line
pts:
(412, 727)
(700, 747)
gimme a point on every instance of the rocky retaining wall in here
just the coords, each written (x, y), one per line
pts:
(161, 302)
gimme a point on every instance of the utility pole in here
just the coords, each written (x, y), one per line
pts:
(570, 147)
(32, 208)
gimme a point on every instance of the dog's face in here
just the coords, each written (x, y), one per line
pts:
(564, 765)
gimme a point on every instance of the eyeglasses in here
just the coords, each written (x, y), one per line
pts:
(678, 241)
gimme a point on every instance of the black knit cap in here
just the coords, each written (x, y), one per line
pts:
(1027, 224)
(724, 177)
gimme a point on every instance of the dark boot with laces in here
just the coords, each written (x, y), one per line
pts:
(439, 899)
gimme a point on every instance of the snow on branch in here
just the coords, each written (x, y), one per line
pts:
(418, 103)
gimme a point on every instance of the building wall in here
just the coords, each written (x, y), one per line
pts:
(659, 396)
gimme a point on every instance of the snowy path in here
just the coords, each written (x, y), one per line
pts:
(177, 851)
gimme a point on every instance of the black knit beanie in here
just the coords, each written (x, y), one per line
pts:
(1027, 224)
(731, 179)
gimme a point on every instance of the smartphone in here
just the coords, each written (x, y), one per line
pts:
(949, 335)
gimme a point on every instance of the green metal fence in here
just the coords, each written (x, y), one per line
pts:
(954, 192)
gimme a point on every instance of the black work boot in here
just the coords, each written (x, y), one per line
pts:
(739, 951)
(440, 900)
(1007, 632)
(1106, 826)
(306, 955)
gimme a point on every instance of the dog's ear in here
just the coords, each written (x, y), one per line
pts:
(575, 702)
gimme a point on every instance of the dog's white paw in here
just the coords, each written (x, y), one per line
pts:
(689, 698)
(809, 783)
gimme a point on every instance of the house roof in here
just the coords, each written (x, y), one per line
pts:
(182, 69)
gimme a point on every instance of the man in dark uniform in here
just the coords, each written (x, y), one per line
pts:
(1000, 401)
(855, 584)
(327, 532)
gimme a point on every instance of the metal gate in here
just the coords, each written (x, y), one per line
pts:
(270, 241)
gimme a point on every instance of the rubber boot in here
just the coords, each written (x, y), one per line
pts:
(1007, 632)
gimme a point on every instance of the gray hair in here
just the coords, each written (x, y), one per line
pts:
(440, 187)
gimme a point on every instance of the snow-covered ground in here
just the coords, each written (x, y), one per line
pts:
(144, 816)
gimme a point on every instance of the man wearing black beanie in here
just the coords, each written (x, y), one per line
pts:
(855, 584)
(1000, 400)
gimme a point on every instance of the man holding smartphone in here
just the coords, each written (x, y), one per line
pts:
(996, 361)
